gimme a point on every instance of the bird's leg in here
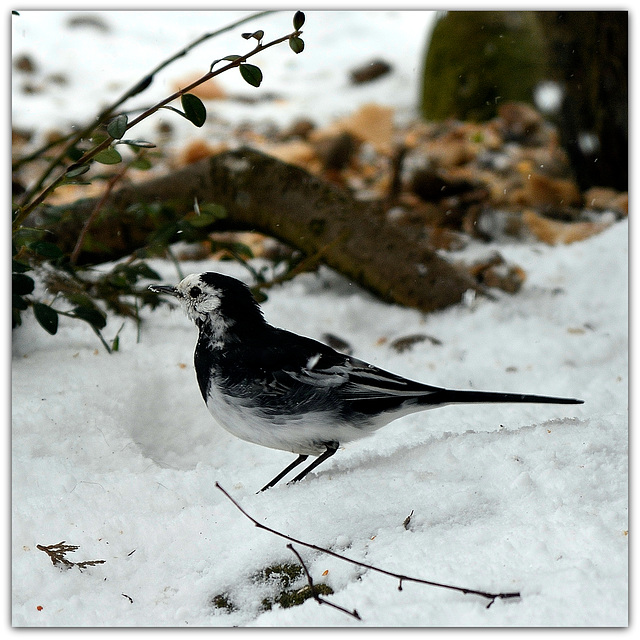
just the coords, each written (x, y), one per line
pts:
(331, 449)
(299, 460)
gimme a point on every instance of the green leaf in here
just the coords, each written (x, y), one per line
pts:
(213, 209)
(143, 164)
(95, 318)
(258, 35)
(115, 345)
(47, 250)
(238, 250)
(16, 320)
(74, 154)
(298, 20)
(46, 316)
(21, 285)
(108, 156)
(78, 171)
(145, 271)
(231, 58)
(80, 300)
(19, 267)
(203, 220)
(296, 44)
(18, 302)
(141, 86)
(194, 109)
(25, 235)
(117, 127)
(251, 74)
(142, 144)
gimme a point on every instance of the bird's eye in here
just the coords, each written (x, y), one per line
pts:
(194, 292)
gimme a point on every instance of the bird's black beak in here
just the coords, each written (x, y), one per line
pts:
(160, 288)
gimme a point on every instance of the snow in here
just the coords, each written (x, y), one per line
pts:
(117, 453)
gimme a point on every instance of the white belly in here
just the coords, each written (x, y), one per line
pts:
(301, 434)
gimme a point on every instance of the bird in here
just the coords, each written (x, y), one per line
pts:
(281, 390)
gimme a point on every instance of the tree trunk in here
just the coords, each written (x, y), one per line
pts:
(590, 58)
(262, 193)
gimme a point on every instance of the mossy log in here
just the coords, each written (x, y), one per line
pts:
(477, 60)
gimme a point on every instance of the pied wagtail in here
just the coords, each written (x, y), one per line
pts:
(284, 391)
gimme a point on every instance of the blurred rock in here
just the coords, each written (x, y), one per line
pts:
(520, 122)
(370, 71)
(431, 186)
(371, 123)
(336, 151)
(296, 152)
(554, 232)
(605, 199)
(24, 63)
(337, 343)
(496, 273)
(197, 150)
(299, 129)
(90, 21)
(405, 343)
(547, 193)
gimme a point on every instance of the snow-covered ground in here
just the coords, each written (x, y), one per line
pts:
(117, 453)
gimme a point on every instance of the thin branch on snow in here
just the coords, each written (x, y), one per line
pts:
(315, 595)
(57, 553)
(492, 597)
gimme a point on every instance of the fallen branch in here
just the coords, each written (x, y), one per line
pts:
(262, 193)
(492, 597)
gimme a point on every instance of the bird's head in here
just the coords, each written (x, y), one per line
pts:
(214, 299)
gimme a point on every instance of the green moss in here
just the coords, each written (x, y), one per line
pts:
(295, 597)
(222, 601)
(478, 59)
(285, 577)
(285, 574)
(283, 582)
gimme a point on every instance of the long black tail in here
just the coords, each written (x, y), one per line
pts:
(453, 396)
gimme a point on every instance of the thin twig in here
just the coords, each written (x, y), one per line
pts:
(492, 597)
(56, 553)
(316, 596)
(111, 183)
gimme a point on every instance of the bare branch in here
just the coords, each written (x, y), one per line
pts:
(492, 597)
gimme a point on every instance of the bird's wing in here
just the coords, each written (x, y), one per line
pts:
(354, 379)
(290, 364)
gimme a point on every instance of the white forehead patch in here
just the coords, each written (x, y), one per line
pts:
(203, 303)
(192, 280)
